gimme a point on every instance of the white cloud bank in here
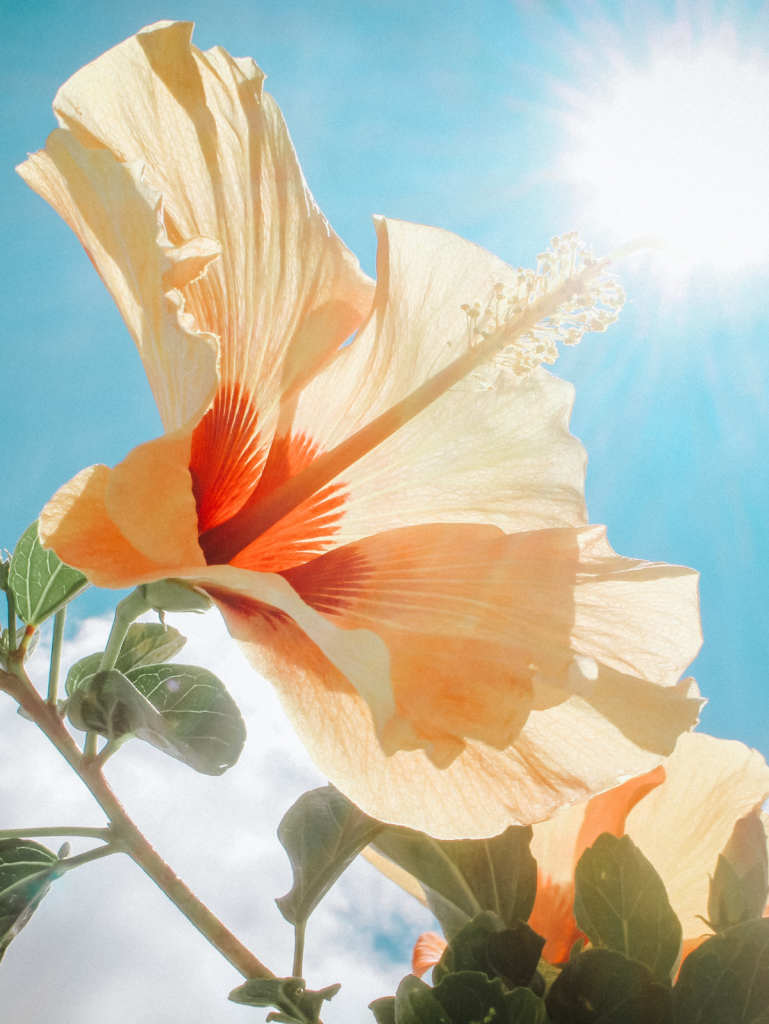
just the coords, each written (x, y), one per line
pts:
(107, 947)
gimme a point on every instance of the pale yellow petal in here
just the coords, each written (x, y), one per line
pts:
(395, 873)
(285, 292)
(115, 216)
(684, 825)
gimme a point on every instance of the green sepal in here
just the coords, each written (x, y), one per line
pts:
(383, 1010)
(726, 979)
(26, 874)
(322, 833)
(462, 877)
(175, 596)
(602, 986)
(146, 643)
(182, 710)
(486, 945)
(620, 902)
(295, 1003)
(40, 581)
(548, 972)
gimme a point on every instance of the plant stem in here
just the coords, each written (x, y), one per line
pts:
(126, 612)
(68, 863)
(11, 619)
(29, 632)
(56, 645)
(89, 747)
(299, 930)
(123, 832)
(56, 830)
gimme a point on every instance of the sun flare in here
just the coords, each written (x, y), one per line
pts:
(682, 150)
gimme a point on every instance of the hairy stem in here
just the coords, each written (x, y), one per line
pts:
(299, 930)
(11, 619)
(124, 834)
(58, 640)
(56, 830)
(127, 611)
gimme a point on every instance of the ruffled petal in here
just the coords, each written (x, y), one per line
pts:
(286, 292)
(502, 455)
(115, 216)
(684, 825)
(428, 949)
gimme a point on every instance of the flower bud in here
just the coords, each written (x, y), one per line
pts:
(175, 596)
(740, 885)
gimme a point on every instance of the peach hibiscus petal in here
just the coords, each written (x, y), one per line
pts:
(502, 456)
(286, 292)
(115, 216)
(428, 949)
(684, 825)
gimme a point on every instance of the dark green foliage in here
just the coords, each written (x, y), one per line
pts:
(383, 1010)
(465, 876)
(25, 877)
(468, 997)
(601, 986)
(322, 834)
(485, 944)
(726, 979)
(182, 710)
(295, 1004)
(621, 903)
(41, 583)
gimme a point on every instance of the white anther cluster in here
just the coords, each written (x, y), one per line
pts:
(591, 306)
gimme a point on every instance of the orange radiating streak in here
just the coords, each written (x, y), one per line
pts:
(257, 516)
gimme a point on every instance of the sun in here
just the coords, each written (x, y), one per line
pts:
(681, 150)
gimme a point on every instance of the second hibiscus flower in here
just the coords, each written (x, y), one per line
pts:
(394, 528)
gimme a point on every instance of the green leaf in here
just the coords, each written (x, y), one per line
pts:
(462, 877)
(322, 834)
(295, 1003)
(601, 986)
(182, 710)
(726, 979)
(523, 1007)
(40, 581)
(471, 998)
(740, 885)
(415, 1003)
(146, 643)
(621, 902)
(511, 954)
(25, 877)
(383, 1010)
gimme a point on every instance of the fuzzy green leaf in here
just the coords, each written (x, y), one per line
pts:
(524, 1007)
(383, 1010)
(484, 944)
(463, 877)
(322, 834)
(182, 710)
(25, 878)
(415, 1003)
(726, 979)
(621, 903)
(295, 1003)
(601, 986)
(40, 581)
(471, 998)
(146, 643)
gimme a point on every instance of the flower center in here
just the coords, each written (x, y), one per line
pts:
(564, 298)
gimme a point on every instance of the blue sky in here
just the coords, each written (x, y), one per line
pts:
(454, 114)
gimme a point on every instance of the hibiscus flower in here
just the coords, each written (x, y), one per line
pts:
(393, 528)
(680, 815)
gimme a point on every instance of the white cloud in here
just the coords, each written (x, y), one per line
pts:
(107, 946)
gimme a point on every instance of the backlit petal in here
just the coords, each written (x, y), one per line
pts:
(683, 826)
(115, 216)
(285, 292)
(428, 949)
